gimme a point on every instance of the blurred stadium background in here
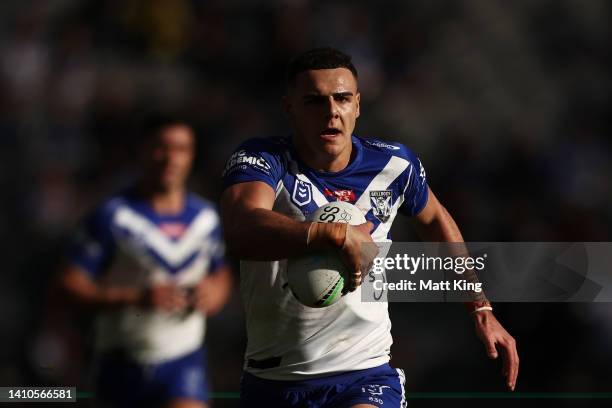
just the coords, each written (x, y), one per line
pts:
(507, 103)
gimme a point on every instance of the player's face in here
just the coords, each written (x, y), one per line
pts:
(171, 156)
(323, 107)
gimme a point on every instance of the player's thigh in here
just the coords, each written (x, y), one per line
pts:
(363, 406)
(186, 403)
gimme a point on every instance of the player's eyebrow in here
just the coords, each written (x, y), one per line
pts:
(312, 95)
(345, 93)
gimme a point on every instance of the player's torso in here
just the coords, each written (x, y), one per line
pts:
(374, 182)
(151, 248)
(317, 341)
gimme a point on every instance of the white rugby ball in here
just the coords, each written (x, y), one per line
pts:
(316, 279)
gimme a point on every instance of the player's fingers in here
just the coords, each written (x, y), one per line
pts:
(351, 285)
(513, 364)
(180, 300)
(369, 251)
(202, 301)
(365, 230)
(352, 280)
(357, 277)
(172, 298)
(353, 262)
(166, 303)
(365, 227)
(370, 226)
(201, 305)
(160, 298)
(506, 352)
(510, 362)
(491, 350)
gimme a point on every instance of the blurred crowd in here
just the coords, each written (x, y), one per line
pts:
(506, 103)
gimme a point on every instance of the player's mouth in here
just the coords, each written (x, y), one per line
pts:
(330, 133)
(169, 173)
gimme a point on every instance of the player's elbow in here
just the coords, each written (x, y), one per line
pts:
(76, 285)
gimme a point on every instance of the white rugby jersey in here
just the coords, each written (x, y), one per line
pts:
(290, 341)
(126, 243)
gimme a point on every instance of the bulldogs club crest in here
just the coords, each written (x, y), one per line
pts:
(381, 204)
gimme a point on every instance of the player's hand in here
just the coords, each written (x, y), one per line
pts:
(206, 296)
(349, 240)
(167, 297)
(357, 256)
(496, 339)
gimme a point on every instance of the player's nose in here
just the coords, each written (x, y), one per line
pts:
(332, 107)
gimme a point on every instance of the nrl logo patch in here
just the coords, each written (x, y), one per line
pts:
(302, 192)
(381, 204)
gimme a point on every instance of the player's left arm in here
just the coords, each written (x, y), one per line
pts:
(434, 223)
(213, 291)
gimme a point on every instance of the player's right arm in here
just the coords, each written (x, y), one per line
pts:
(82, 289)
(79, 287)
(91, 251)
(255, 232)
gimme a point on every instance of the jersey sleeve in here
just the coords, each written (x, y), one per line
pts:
(416, 191)
(92, 245)
(254, 160)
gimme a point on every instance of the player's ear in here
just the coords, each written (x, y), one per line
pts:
(357, 99)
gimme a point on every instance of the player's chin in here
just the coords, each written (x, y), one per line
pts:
(333, 145)
(331, 152)
(171, 182)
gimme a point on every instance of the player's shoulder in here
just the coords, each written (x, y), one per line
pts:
(267, 156)
(197, 207)
(390, 148)
(197, 203)
(109, 205)
(270, 144)
(103, 214)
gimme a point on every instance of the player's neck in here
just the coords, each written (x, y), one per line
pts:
(319, 162)
(170, 200)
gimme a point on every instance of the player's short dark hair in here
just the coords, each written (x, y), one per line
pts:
(319, 58)
(154, 123)
(147, 128)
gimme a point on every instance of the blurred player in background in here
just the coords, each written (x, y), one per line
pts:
(335, 356)
(150, 262)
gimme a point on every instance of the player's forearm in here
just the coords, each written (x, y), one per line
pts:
(105, 298)
(444, 229)
(439, 228)
(255, 232)
(81, 289)
(263, 235)
(116, 297)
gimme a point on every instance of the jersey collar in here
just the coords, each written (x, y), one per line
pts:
(353, 164)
